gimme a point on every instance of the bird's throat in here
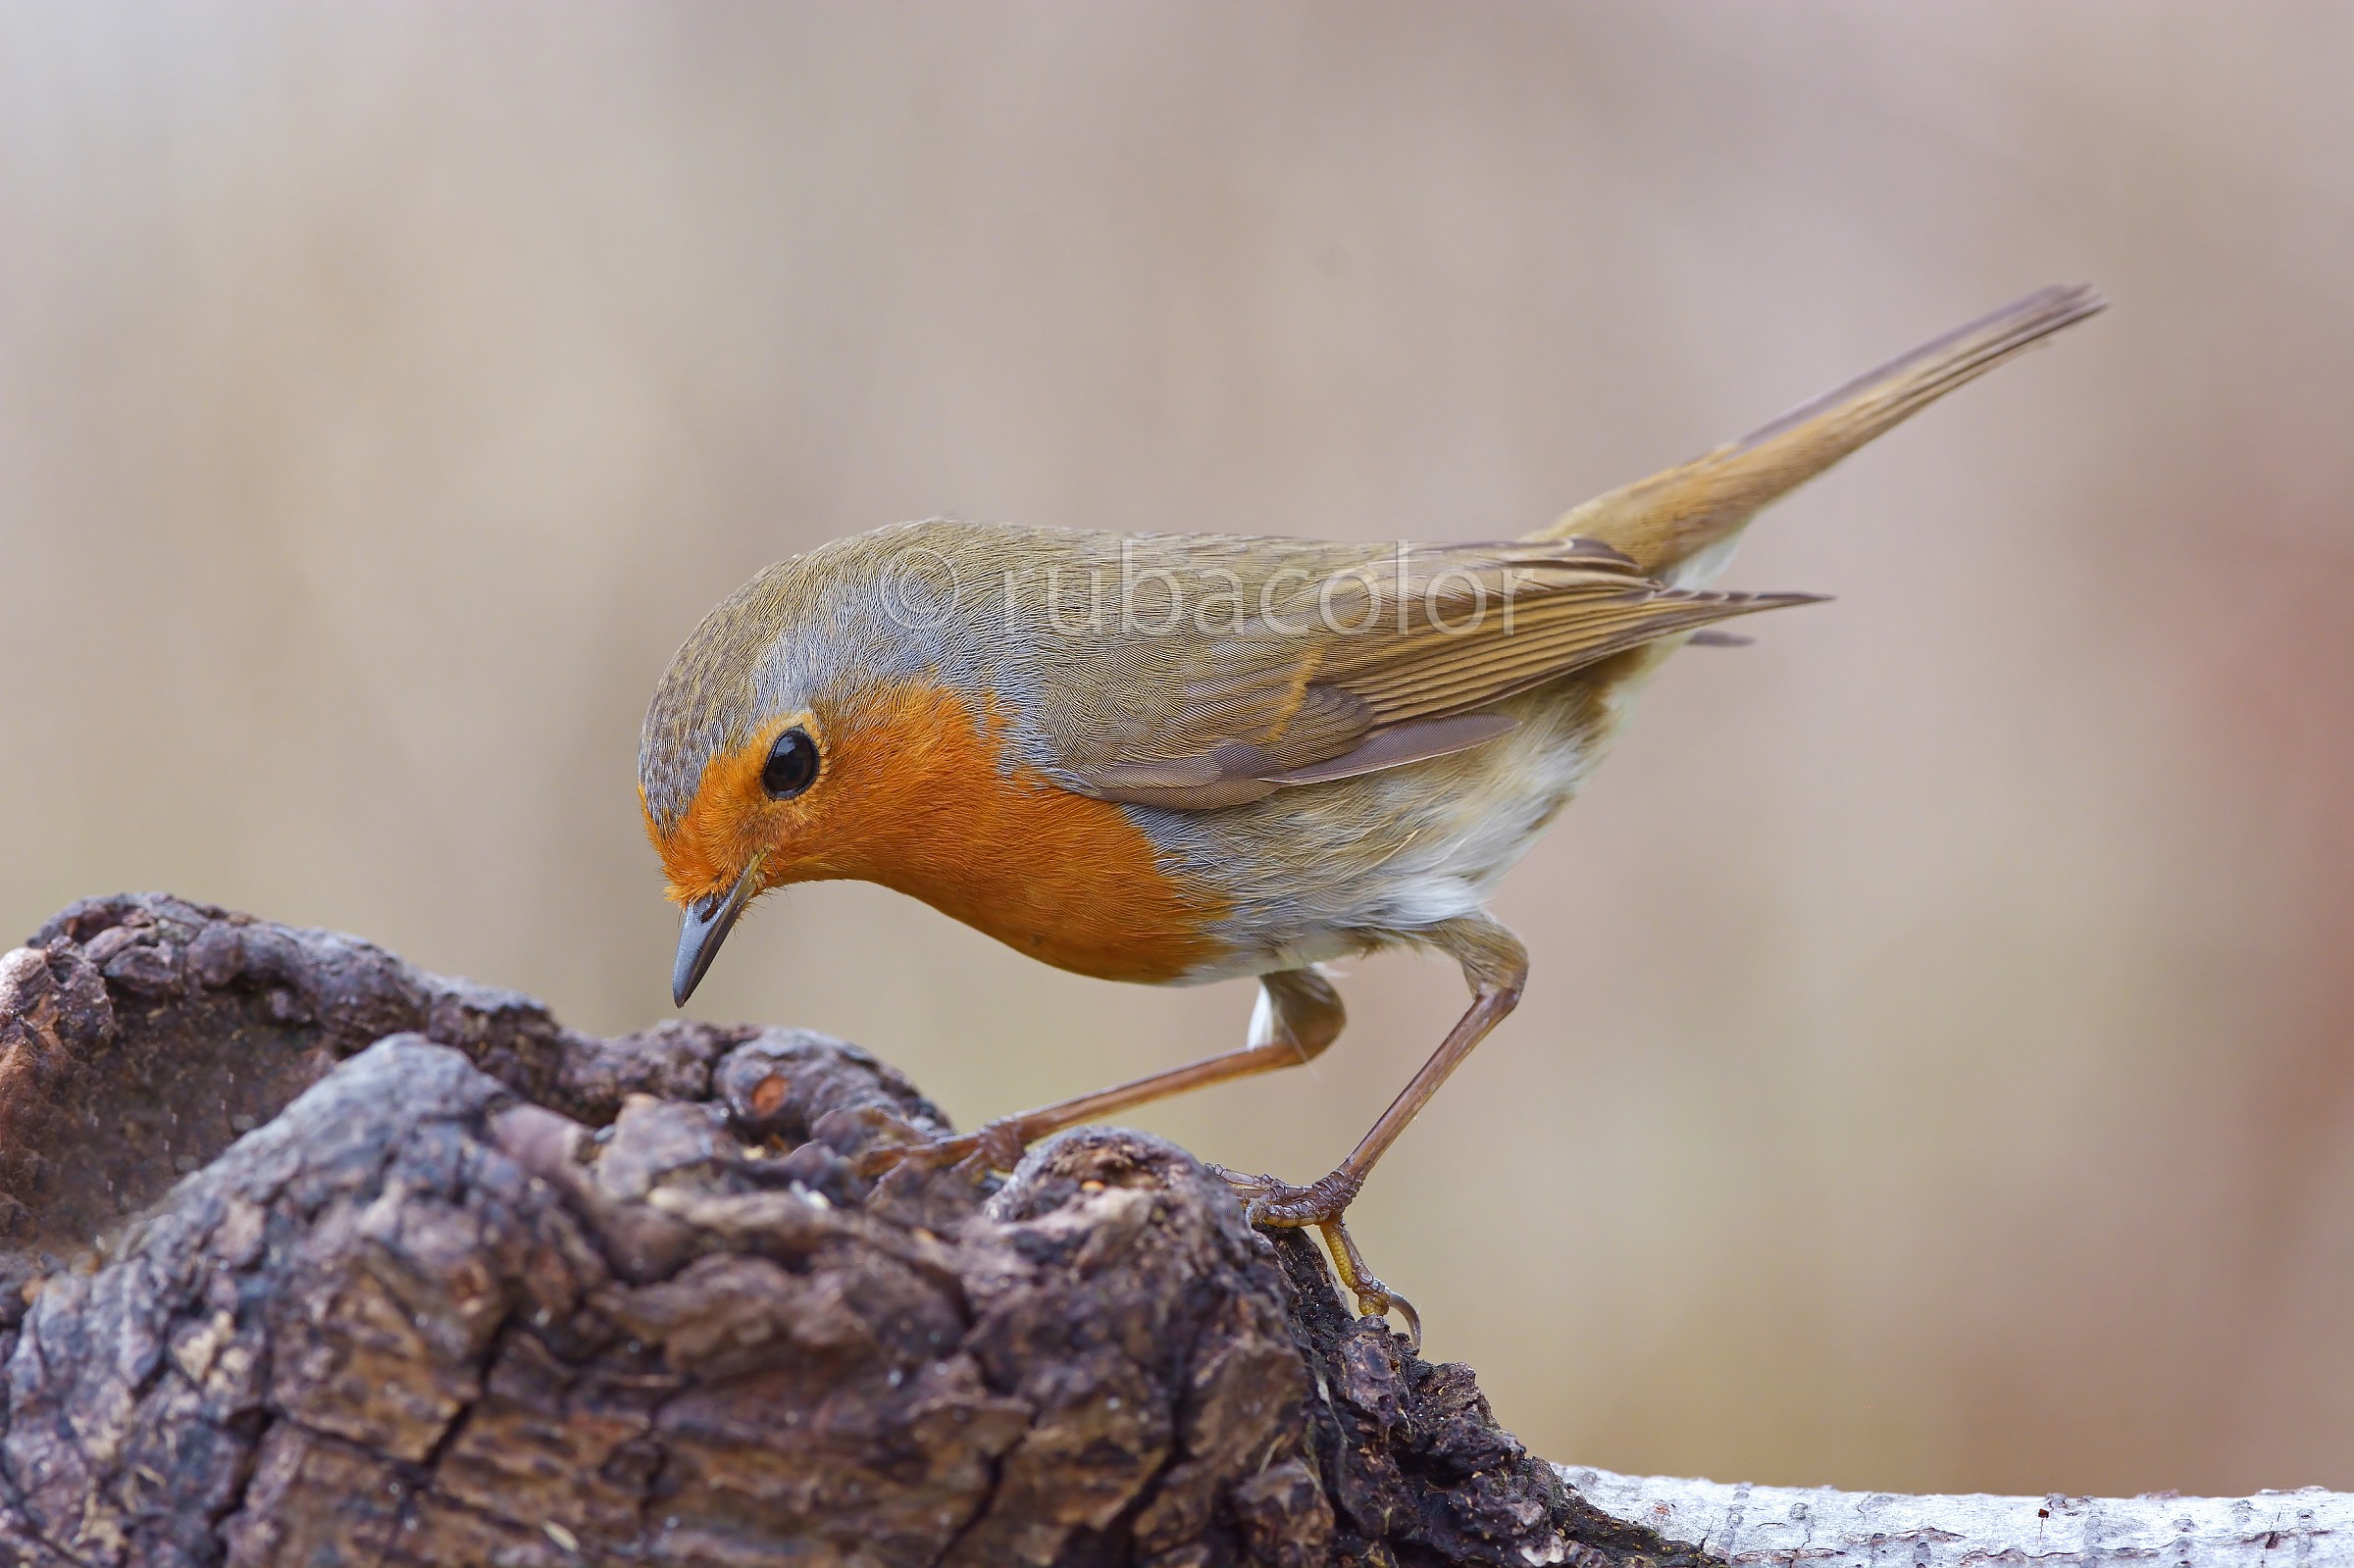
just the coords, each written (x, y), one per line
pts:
(919, 798)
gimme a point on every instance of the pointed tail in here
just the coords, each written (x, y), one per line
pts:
(1666, 521)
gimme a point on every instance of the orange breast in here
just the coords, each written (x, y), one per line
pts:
(911, 796)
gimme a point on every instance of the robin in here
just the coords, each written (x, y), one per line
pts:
(1182, 758)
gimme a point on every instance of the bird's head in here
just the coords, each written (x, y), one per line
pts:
(871, 711)
(740, 762)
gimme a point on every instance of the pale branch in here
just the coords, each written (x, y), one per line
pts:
(1828, 1528)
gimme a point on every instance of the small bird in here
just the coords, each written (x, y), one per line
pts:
(1182, 758)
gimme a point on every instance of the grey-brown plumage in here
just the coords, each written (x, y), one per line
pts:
(1188, 757)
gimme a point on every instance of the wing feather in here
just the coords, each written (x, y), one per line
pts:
(1379, 660)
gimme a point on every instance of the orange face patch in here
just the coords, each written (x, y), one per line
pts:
(910, 794)
(729, 820)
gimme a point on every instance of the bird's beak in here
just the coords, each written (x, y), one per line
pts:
(705, 927)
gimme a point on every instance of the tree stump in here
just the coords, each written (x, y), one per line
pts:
(315, 1258)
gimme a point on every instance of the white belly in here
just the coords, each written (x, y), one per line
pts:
(1330, 870)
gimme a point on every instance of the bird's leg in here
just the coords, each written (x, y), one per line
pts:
(1496, 967)
(1299, 1013)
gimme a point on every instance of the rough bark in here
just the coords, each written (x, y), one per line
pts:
(308, 1258)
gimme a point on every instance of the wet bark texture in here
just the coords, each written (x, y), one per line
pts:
(309, 1257)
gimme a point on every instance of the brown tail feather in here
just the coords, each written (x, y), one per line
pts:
(1672, 516)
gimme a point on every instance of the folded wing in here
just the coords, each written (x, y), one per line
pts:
(1380, 658)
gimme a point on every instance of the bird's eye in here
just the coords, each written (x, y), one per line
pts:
(792, 765)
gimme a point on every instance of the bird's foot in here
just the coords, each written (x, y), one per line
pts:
(1321, 1203)
(995, 1145)
(1279, 1204)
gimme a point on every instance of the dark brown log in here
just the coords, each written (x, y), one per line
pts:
(313, 1258)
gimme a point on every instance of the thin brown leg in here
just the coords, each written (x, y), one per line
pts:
(1497, 966)
(1299, 1015)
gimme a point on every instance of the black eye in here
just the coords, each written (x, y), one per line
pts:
(792, 765)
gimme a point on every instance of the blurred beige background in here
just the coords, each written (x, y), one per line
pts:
(1937, 1071)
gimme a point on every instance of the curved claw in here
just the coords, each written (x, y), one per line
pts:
(1374, 1300)
(1280, 1206)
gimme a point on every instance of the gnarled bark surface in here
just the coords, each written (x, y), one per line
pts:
(313, 1258)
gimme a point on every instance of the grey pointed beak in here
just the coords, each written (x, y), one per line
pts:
(706, 925)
